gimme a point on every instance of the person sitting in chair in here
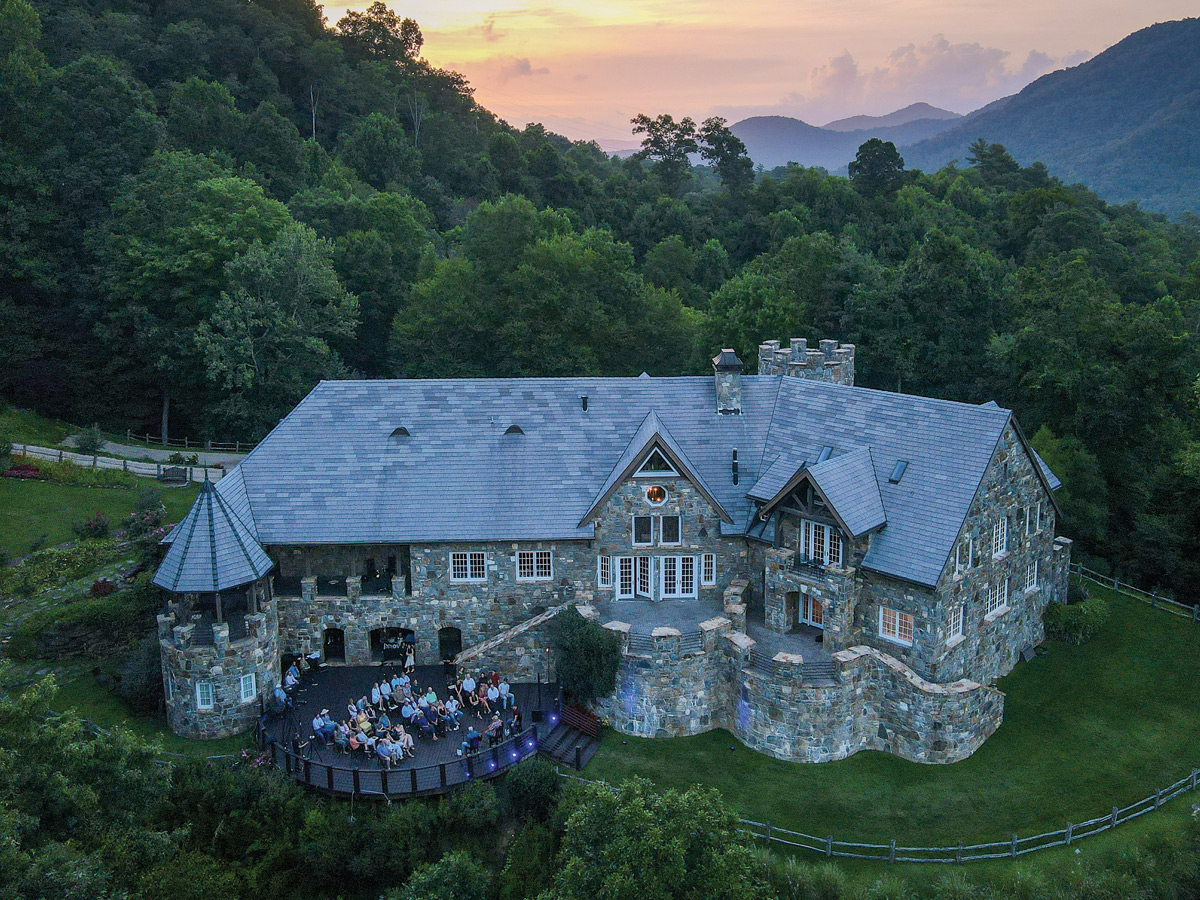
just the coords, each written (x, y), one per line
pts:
(506, 696)
(290, 680)
(294, 671)
(341, 737)
(495, 730)
(384, 722)
(282, 700)
(383, 750)
(470, 743)
(385, 692)
(453, 710)
(323, 726)
(314, 661)
(406, 742)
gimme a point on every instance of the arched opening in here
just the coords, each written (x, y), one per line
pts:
(449, 643)
(335, 645)
(389, 644)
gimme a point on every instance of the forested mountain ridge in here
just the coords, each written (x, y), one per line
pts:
(219, 204)
(773, 141)
(911, 113)
(1126, 123)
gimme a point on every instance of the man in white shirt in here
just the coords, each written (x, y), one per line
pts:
(506, 697)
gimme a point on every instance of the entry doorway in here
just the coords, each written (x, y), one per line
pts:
(812, 611)
(335, 645)
(389, 644)
(449, 643)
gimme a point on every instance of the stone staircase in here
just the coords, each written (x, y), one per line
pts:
(472, 653)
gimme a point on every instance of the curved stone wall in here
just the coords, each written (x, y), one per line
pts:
(186, 662)
(670, 685)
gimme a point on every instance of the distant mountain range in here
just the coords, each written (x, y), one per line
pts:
(777, 140)
(1126, 123)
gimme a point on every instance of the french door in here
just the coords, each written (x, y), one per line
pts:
(812, 610)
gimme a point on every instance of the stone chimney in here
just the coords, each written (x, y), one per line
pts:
(832, 362)
(727, 371)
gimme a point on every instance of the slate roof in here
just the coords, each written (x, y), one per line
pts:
(211, 549)
(849, 484)
(652, 431)
(331, 472)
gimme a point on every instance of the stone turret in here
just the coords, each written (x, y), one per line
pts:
(727, 371)
(832, 362)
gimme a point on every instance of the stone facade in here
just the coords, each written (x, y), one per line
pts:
(833, 362)
(190, 664)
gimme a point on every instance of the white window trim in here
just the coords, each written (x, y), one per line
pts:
(1035, 583)
(669, 472)
(604, 566)
(643, 564)
(253, 688)
(212, 697)
(633, 532)
(1000, 538)
(469, 554)
(806, 540)
(992, 613)
(663, 542)
(708, 569)
(895, 638)
(677, 563)
(955, 625)
(961, 567)
(620, 562)
(534, 556)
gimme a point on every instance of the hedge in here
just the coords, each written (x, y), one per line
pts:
(56, 565)
(1076, 623)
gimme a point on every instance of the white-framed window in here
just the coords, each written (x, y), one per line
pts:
(1000, 537)
(644, 583)
(1037, 517)
(708, 569)
(677, 576)
(642, 533)
(895, 626)
(604, 572)
(535, 565)
(169, 680)
(468, 565)
(655, 466)
(997, 598)
(964, 558)
(670, 530)
(1031, 577)
(955, 625)
(248, 688)
(625, 578)
(820, 543)
(204, 695)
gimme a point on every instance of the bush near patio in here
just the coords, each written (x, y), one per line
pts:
(1086, 727)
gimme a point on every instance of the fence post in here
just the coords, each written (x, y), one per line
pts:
(578, 759)
(829, 845)
(124, 465)
(1014, 847)
(158, 471)
(768, 831)
(442, 773)
(1070, 829)
(958, 852)
(383, 780)
(93, 460)
(1113, 820)
(185, 443)
(329, 777)
(1195, 772)
(892, 851)
(355, 779)
(60, 456)
(1157, 797)
(413, 777)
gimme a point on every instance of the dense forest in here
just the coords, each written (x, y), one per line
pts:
(205, 208)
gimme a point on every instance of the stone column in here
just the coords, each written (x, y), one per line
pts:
(779, 563)
(308, 588)
(735, 602)
(839, 598)
(354, 587)
(621, 629)
(712, 629)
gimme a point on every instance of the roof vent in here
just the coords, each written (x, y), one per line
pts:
(825, 453)
(400, 432)
(514, 429)
(583, 401)
(898, 471)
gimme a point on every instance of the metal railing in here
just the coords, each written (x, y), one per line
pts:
(1009, 848)
(1112, 582)
(404, 782)
(133, 467)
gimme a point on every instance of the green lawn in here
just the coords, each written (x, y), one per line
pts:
(1085, 728)
(29, 509)
(29, 428)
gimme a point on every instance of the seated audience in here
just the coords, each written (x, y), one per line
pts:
(470, 743)
(506, 697)
(323, 726)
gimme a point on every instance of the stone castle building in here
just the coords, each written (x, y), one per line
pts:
(817, 567)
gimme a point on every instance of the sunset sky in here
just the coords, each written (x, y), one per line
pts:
(584, 67)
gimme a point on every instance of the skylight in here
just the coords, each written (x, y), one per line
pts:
(898, 471)
(400, 432)
(514, 429)
(825, 453)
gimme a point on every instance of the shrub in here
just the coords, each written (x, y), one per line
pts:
(93, 526)
(532, 789)
(89, 442)
(54, 566)
(456, 876)
(530, 863)
(141, 678)
(586, 656)
(27, 471)
(87, 627)
(1076, 623)
(102, 587)
(184, 459)
(1077, 592)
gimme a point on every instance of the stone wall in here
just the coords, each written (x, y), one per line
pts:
(521, 653)
(834, 586)
(186, 662)
(832, 362)
(875, 703)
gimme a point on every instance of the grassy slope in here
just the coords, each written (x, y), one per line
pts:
(1085, 728)
(30, 509)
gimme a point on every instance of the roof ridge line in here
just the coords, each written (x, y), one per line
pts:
(237, 537)
(186, 544)
(212, 537)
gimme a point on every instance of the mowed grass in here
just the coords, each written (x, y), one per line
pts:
(30, 509)
(1085, 729)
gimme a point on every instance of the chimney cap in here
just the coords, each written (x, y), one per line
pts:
(727, 361)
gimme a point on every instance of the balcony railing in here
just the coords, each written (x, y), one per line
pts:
(807, 565)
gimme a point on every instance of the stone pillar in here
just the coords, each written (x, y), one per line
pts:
(735, 602)
(666, 642)
(621, 629)
(788, 666)
(354, 587)
(738, 647)
(779, 563)
(1060, 577)
(839, 598)
(712, 629)
(308, 588)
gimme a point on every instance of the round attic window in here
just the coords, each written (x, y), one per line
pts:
(656, 495)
